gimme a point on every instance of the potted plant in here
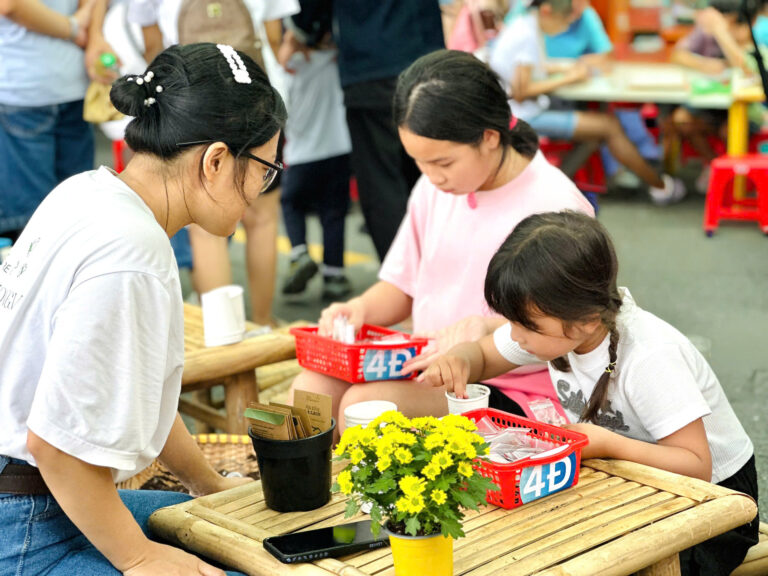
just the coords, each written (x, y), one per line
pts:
(417, 476)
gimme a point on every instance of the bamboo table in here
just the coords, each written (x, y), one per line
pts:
(232, 366)
(621, 518)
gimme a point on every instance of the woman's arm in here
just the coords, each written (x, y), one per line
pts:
(37, 17)
(523, 87)
(683, 452)
(98, 45)
(182, 456)
(87, 495)
(153, 41)
(713, 66)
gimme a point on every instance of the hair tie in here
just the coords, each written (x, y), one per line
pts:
(611, 367)
(512, 122)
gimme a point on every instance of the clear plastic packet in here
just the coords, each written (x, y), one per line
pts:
(544, 411)
(486, 426)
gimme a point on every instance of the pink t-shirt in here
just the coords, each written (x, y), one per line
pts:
(441, 252)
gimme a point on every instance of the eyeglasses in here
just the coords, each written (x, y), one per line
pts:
(273, 169)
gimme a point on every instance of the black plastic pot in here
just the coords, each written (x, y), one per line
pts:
(295, 474)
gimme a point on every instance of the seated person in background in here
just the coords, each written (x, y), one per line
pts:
(479, 178)
(721, 39)
(517, 57)
(631, 382)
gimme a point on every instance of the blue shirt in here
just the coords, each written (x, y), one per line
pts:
(39, 70)
(584, 36)
(760, 29)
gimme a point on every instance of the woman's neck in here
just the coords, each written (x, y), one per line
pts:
(510, 165)
(162, 194)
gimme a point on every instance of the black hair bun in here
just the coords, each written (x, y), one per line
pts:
(129, 96)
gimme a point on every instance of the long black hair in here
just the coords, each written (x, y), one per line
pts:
(563, 265)
(190, 94)
(451, 95)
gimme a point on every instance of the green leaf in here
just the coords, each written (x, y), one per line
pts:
(376, 515)
(466, 500)
(383, 484)
(452, 528)
(412, 526)
(351, 509)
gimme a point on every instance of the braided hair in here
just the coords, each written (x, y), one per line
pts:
(563, 265)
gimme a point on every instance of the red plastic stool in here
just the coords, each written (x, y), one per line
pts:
(590, 177)
(118, 163)
(721, 205)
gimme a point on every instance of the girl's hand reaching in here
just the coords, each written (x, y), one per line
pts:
(449, 371)
(601, 441)
(170, 561)
(353, 310)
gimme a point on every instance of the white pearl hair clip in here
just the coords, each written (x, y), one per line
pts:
(149, 101)
(236, 64)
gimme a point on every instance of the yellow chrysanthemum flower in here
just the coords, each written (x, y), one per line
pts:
(383, 463)
(431, 471)
(412, 485)
(356, 455)
(465, 469)
(442, 460)
(470, 452)
(415, 504)
(402, 505)
(438, 496)
(459, 421)
(435, 440)
(404, 456)
(345, 481)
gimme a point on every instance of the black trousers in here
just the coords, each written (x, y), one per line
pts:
(721, 555)
(322, 186)
(385, 173)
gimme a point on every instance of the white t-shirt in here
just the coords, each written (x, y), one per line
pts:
(91, 328)
(165, 13)
(316, 128)
(520, 43)
(661, 384)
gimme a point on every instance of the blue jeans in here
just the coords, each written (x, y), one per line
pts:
(637, 132)
(39, 148)
(38, 538)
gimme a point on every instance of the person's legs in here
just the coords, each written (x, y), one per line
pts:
(299, 184)
(74, 141)
(332, 209)
(385, 174)
(261, 226)
(27, 162)
(695, 128)
(596, 126)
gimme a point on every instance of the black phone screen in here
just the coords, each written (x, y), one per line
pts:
(325, 542)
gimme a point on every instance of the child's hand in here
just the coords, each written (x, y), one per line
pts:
(577, 73)
(601, 441)
(468, 329)
(225, 483)
(449, 371)
(353, 310)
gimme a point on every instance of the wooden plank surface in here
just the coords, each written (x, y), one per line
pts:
(617, 520)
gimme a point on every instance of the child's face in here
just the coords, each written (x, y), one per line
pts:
(739, 31)
(551, 340)
(553, 23)
(450, 166)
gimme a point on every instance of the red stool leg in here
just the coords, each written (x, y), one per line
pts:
(718, 179)
(762, 199)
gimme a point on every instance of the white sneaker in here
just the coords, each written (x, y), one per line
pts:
(702, 181)
(672, 192)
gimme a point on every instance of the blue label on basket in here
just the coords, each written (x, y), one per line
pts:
(386, 364)
(539, 481)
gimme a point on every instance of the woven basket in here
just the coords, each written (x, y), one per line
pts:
(227, 453)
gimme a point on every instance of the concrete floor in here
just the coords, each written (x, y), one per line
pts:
(713, 289)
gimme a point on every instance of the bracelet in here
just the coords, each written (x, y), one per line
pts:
(74, 28)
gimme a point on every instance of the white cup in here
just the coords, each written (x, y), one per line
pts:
(223, 315)
(477, 397)
(362, 413)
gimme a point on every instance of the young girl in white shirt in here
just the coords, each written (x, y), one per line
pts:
(634, 384)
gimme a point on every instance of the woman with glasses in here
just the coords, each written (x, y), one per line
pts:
(91, 319)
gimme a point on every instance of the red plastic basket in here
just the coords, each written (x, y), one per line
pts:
(364, 362)
(536, 476)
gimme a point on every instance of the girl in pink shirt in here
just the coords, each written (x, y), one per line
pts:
(479, 179)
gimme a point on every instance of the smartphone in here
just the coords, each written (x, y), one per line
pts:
(325, 542)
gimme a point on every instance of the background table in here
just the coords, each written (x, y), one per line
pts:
(232, 366)
(621, 518)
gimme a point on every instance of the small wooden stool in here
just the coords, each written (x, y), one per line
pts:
(721, 203)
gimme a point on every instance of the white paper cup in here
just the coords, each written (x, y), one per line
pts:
(223, 315)
(362, 413)
(477, 397)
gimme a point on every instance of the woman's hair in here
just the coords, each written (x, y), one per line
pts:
(745, 10)
(197, 93)
(558, 6)
(451, 95)
(563, 265)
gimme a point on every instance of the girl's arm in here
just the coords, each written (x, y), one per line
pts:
(37, 17)
(382, 304)
(715, 24)
(522, 87)
(684, 452)
(153, 42)
(468, 362)
(712, 66)
(182, 456)
(87, 495)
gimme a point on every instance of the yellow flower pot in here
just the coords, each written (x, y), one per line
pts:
(422, 555)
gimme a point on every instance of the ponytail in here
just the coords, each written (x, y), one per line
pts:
(599, 394)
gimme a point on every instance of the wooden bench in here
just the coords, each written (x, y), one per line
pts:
(756, 562)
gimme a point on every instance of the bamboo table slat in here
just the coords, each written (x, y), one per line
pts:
(621, 518)
(232, 366)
